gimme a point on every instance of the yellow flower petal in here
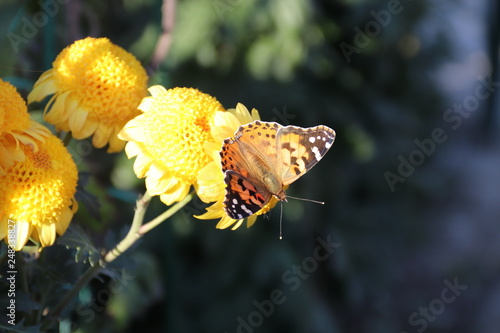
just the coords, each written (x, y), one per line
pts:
(77, 118)
(251, 220)
(4, 226)
(46, 234)
(180, 190)
(45, 87)
(211, 183)
(22, 232)
(225, 125)
(65, 219)
(102, 135)
(159, 183)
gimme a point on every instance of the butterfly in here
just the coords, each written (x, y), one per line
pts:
(263, 158)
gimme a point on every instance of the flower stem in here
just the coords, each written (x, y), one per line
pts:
(82, 281)
(133, 234)
(137, 230)
(165, 215)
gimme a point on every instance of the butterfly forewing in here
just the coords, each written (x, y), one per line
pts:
(301, 148)
(252, 148)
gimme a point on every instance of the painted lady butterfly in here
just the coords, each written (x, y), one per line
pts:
(263, 158)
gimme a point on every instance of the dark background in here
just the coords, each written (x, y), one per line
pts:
(422, 254)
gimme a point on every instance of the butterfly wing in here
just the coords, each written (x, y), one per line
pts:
(253, 148)
(301, 148)
(242, 197)
(245, 159)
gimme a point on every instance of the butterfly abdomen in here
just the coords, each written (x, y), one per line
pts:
(273, 185)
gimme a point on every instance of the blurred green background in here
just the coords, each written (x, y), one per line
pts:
(413, 216)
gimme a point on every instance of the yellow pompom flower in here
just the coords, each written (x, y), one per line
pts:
(37, 195)
(97, 87)
(168, 139)
(16, 127)
(211, 179)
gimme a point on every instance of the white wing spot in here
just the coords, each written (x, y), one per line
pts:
(312, 139)
(328, 145)
(246, 210)
(316, 152)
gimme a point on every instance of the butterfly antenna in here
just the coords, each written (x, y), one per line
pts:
(308, 200)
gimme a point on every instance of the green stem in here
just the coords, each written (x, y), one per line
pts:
(165, 215)
(56, 311)
(137, 230)
(133, 234)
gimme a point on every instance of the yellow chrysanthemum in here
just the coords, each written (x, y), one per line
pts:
(16, 127)
(168, 140)
(97, 87)
(37, 195)
(211, 179)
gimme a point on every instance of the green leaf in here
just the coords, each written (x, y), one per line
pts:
(78, 239)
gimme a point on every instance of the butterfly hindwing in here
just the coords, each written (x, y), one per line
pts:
(301, 148)
(242, 197)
